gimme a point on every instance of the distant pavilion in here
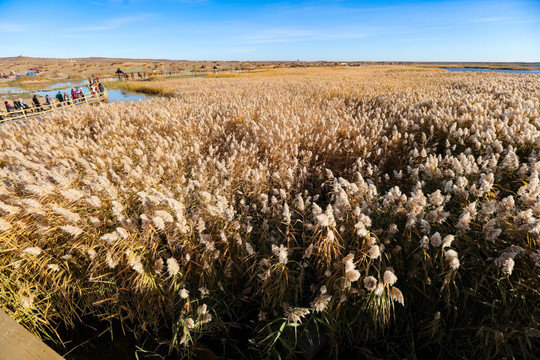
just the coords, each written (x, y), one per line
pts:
(126, 73)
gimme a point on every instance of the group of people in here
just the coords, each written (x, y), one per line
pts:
(95, 86)
(21, 105)
(17, 105)
(77, 95)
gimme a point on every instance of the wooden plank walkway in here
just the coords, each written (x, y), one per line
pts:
(34, 112)
(17, 343)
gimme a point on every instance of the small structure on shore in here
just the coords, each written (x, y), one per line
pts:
(219, 68)
(130, 73)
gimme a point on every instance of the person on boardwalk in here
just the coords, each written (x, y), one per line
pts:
(23, 104)
(9, 108)
(66, 97)
(101, 87)
(36, 102)
(17, 105)
(59, 96)
(48, 99)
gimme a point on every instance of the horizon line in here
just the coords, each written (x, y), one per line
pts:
(292, 61)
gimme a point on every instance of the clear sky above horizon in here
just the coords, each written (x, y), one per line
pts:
(495, 30)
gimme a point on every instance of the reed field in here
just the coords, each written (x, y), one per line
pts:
(378, 212)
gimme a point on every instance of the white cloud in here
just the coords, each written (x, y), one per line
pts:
(507, 20)
(293, 35)
(491, 19)
(11, 28)
(239, 49)
(111, 24)
(278, 35)
(415, 40)
(190, 1)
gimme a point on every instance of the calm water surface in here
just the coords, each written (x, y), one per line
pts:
(494, 70)
(115, 95)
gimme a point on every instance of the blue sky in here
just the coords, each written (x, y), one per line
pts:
(494, 30)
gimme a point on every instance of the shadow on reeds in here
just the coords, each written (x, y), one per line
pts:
(94, 339)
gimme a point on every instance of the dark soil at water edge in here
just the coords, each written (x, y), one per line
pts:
(100, 340)
(92, 339)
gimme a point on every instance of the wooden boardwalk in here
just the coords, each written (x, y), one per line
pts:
(34, 112)
(17, 343)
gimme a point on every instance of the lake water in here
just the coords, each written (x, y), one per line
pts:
(494, 70)
(115, 95)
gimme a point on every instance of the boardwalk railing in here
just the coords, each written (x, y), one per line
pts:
(34, 111)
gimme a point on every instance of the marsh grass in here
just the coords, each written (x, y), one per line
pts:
(146, 87)
(383, 212)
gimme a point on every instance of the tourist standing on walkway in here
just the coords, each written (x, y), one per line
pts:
(66, 97)
(59, 96)
(48, 99)
(36, 102)
(9, 108)
(23, 104)
(101, 87)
